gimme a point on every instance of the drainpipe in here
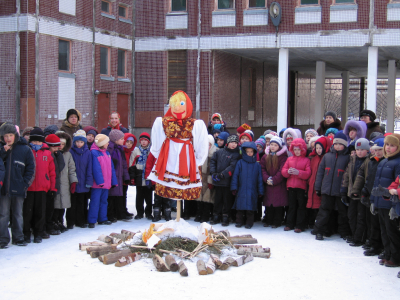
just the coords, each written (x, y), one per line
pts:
(93, 63)
(37, 102)
(18, 69)
(133, 99)
(198, 62)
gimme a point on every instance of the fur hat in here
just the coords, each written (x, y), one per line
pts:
(9, 128)
(378, 144)
(393, 139)
(216, 115)
(210, 139)
(340, 138)
(36, 135)
(144, 135)
(332, 114)
(73, 111)
(232, 139)
(276, 140)
(246, 134)
(51, 129)
(116, 135)
(27, 131)
(368, 113)
(359, 126)
(101, 140)
(52, 140)
(243, 128)
(80, 135)
(362, 144)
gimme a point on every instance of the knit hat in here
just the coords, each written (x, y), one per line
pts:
(245, 134)
(261, 142)
(115, 135)
(251, 134)
(211, 139)
(27, 131)
(216, 115)
(51, 129)
(362, 144)
(269, 136)
(330, 113)
(368, 113)
(52, 140)
(276, 140)
(80, 135)
(72, 111)
(145, 136)
(232, 139)
(378, 144)
(393, 139)
(36, 135)
(340, 138)
(312, 131)
(266, 132)
(101, 140)
(375, 135)
(91, 130)
(331, 130)
(243, 128)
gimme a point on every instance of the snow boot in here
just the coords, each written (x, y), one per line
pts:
(156, 213)
(372, 252)
(19, 243)
(105, 223)
(91, 225)
(37, 239)
(215, 220)
(398, 275)
(45, 235)
(319, 237)
(356, 244)
(61, 227)
(225, 220)
(382, 255)
(167, 213)
(27, 239)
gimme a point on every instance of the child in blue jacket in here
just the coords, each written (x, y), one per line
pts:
(247, 185)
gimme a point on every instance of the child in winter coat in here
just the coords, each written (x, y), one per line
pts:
(310, 133)
(54, 143)
(83, 161)
(91, 133)
(297, 170)
(387, 172)
(356, 210)
(275, 196)
(261, 144)
(130, 142)
(354, 130)
(222, 166)
(144, 192)
(327, 183)
(247, 184)
(221, 140)
(363, 186)
(44, 182)
(322, 146)
(116, 201)
(103, 179)
(68, 182)
(289, 135)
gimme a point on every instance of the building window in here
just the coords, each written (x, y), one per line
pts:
(225, 4)
(104, 61)
(122, 12)
(344, 1)
(178, 5)
(121, 64)
(257, 3)
(177, 69)
(64, 55)
(106, 7)
(308, 2)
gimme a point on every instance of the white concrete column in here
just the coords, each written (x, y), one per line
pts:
(372, 78)
(391, 95)
(345, 97)
(319, 93)
(283, 87)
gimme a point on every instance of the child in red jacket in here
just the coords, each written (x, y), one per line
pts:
(297, 170)
(45, 182)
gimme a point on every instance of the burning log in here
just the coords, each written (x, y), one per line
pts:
(126, 260)
(171, 263)
(160, 264)
(111, 258)
(210, 266)
(182, 269)
(201, 267)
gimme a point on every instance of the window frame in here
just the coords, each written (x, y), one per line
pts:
(248, 5)
(169, 3)
(125, 63)
(126, 12)
(108, 61)
(69, 56)
(308, 5)
(109, 5)
(352, 3)
(224, 9)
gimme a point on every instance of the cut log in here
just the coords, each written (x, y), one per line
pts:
(160, 264)
(131, 233)
(102, 238)
(238, 261)
(224, 232)
(210, 266)
(247, 258)
(95, 254)
(243, 240)
(216, 260)
(255, 254)
(83, 246)
(201, 267)
(182, 269)
(113, 240)
(111, 258)
(126, 260)
(227, 263)
(171, 263)
(101, 248)
(247, 246)
(242, 236)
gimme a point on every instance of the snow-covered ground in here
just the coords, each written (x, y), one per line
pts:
(299, 268)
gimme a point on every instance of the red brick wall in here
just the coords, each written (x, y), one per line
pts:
(7, 77)
(110, 24)
(7, 7)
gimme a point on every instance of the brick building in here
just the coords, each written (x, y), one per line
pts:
(237, 62)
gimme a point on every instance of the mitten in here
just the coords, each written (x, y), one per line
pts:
(345, 200)
(234, 192)
(392, 214)
(295, 171)
(318, 193)
(373, 210)
(210, 186)
(394, 199)
(72, 187)
(220, 176)
(215, 177)
(365, 192)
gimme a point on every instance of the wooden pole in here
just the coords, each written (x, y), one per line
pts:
(178, 210)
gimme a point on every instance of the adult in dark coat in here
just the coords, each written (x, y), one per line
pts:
(369, 117)
(16, 175)
(72, 122)
(330, 121)
(276, 195)
(114, 123)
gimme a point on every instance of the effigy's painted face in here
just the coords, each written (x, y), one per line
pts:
(179, 110)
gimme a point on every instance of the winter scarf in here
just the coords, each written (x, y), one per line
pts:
(36, 147)
(141, 161)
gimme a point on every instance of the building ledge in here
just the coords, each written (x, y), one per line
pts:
(125, 20)
(224, 12)
(344, 7)
(308, 8)
(66, 75)
(124, 80)
(108, 78)
(255, 11)
(108, 16)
